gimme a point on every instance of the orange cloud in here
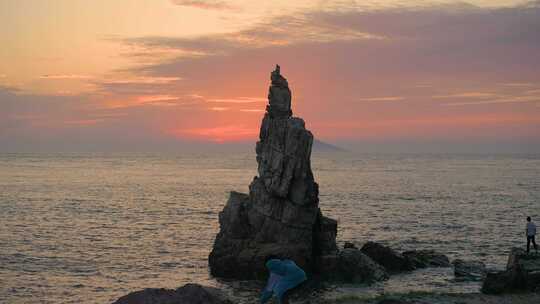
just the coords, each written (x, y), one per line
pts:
(145, 80)
(516, 99)
(154, 100)
(202, 4)
(65, 76)
(388, 98)
(83, 122)
(218, 109)
(237, 100)
(468, 95)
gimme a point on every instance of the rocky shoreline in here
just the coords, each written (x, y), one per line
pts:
(517, 284)
(434, 298)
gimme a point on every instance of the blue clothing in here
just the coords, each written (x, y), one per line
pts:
(284, 275)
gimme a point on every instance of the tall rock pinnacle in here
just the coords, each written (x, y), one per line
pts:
(279, 96)
(281, 214)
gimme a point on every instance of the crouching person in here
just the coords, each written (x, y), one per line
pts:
(285, 277)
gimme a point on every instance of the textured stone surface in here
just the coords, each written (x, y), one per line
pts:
(392, 261)
(522, 273)
(469, 270)
(426, 258)
(279, 95)
(498, 282)
(351, 266)
(281, 214)
(187, 294)
(349, 245)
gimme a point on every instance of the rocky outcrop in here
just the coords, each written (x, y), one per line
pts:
(426, 258)
(187, 294)
(469, 270)
(522, 273)
(391, 260)
(281, 214)
(499, 282)
(349, 245)
(351, 266)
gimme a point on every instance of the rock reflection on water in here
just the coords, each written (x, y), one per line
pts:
(88, 228)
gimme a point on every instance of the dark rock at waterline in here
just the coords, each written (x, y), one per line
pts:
(281, 214)
(522, 274)
(394, 301)
(391, 260)
(187, 294)
(426, 258)
(469, 270)
(350, 266)
(324, 235)
(348, 245)
(498, 282)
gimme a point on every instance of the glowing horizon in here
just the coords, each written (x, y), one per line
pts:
(175, 70)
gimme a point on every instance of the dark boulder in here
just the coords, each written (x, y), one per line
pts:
(426, 258)
(391, 260)
(469, 270)
(498, 282)
(350, 266)
(187, 294)
(349, 245)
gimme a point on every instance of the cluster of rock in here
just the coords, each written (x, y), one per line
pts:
(522, 274)
(280, 215)
(375, 262)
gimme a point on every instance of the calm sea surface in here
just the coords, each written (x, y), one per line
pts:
(89, 228)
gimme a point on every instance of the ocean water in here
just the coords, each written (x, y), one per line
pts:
(89, 228)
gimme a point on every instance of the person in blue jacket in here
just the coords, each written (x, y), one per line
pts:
(284, 276)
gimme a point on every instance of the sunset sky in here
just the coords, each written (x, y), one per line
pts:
(145, 75)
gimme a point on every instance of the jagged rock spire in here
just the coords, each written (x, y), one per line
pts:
(281, 214)
(279, 95)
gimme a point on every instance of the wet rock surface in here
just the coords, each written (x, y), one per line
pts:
(187, 294)
(469, 270)
(426, 258)
(281, 214)
(349, 245)
(351, 265)
(390, 259)
(522, 274)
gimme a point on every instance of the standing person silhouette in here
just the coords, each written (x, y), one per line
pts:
(531, 232)
(285, 275)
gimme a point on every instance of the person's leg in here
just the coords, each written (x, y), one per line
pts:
(528, 243)
(285, 299)
(288, 293)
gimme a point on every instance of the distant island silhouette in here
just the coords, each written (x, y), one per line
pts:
(320, 146)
